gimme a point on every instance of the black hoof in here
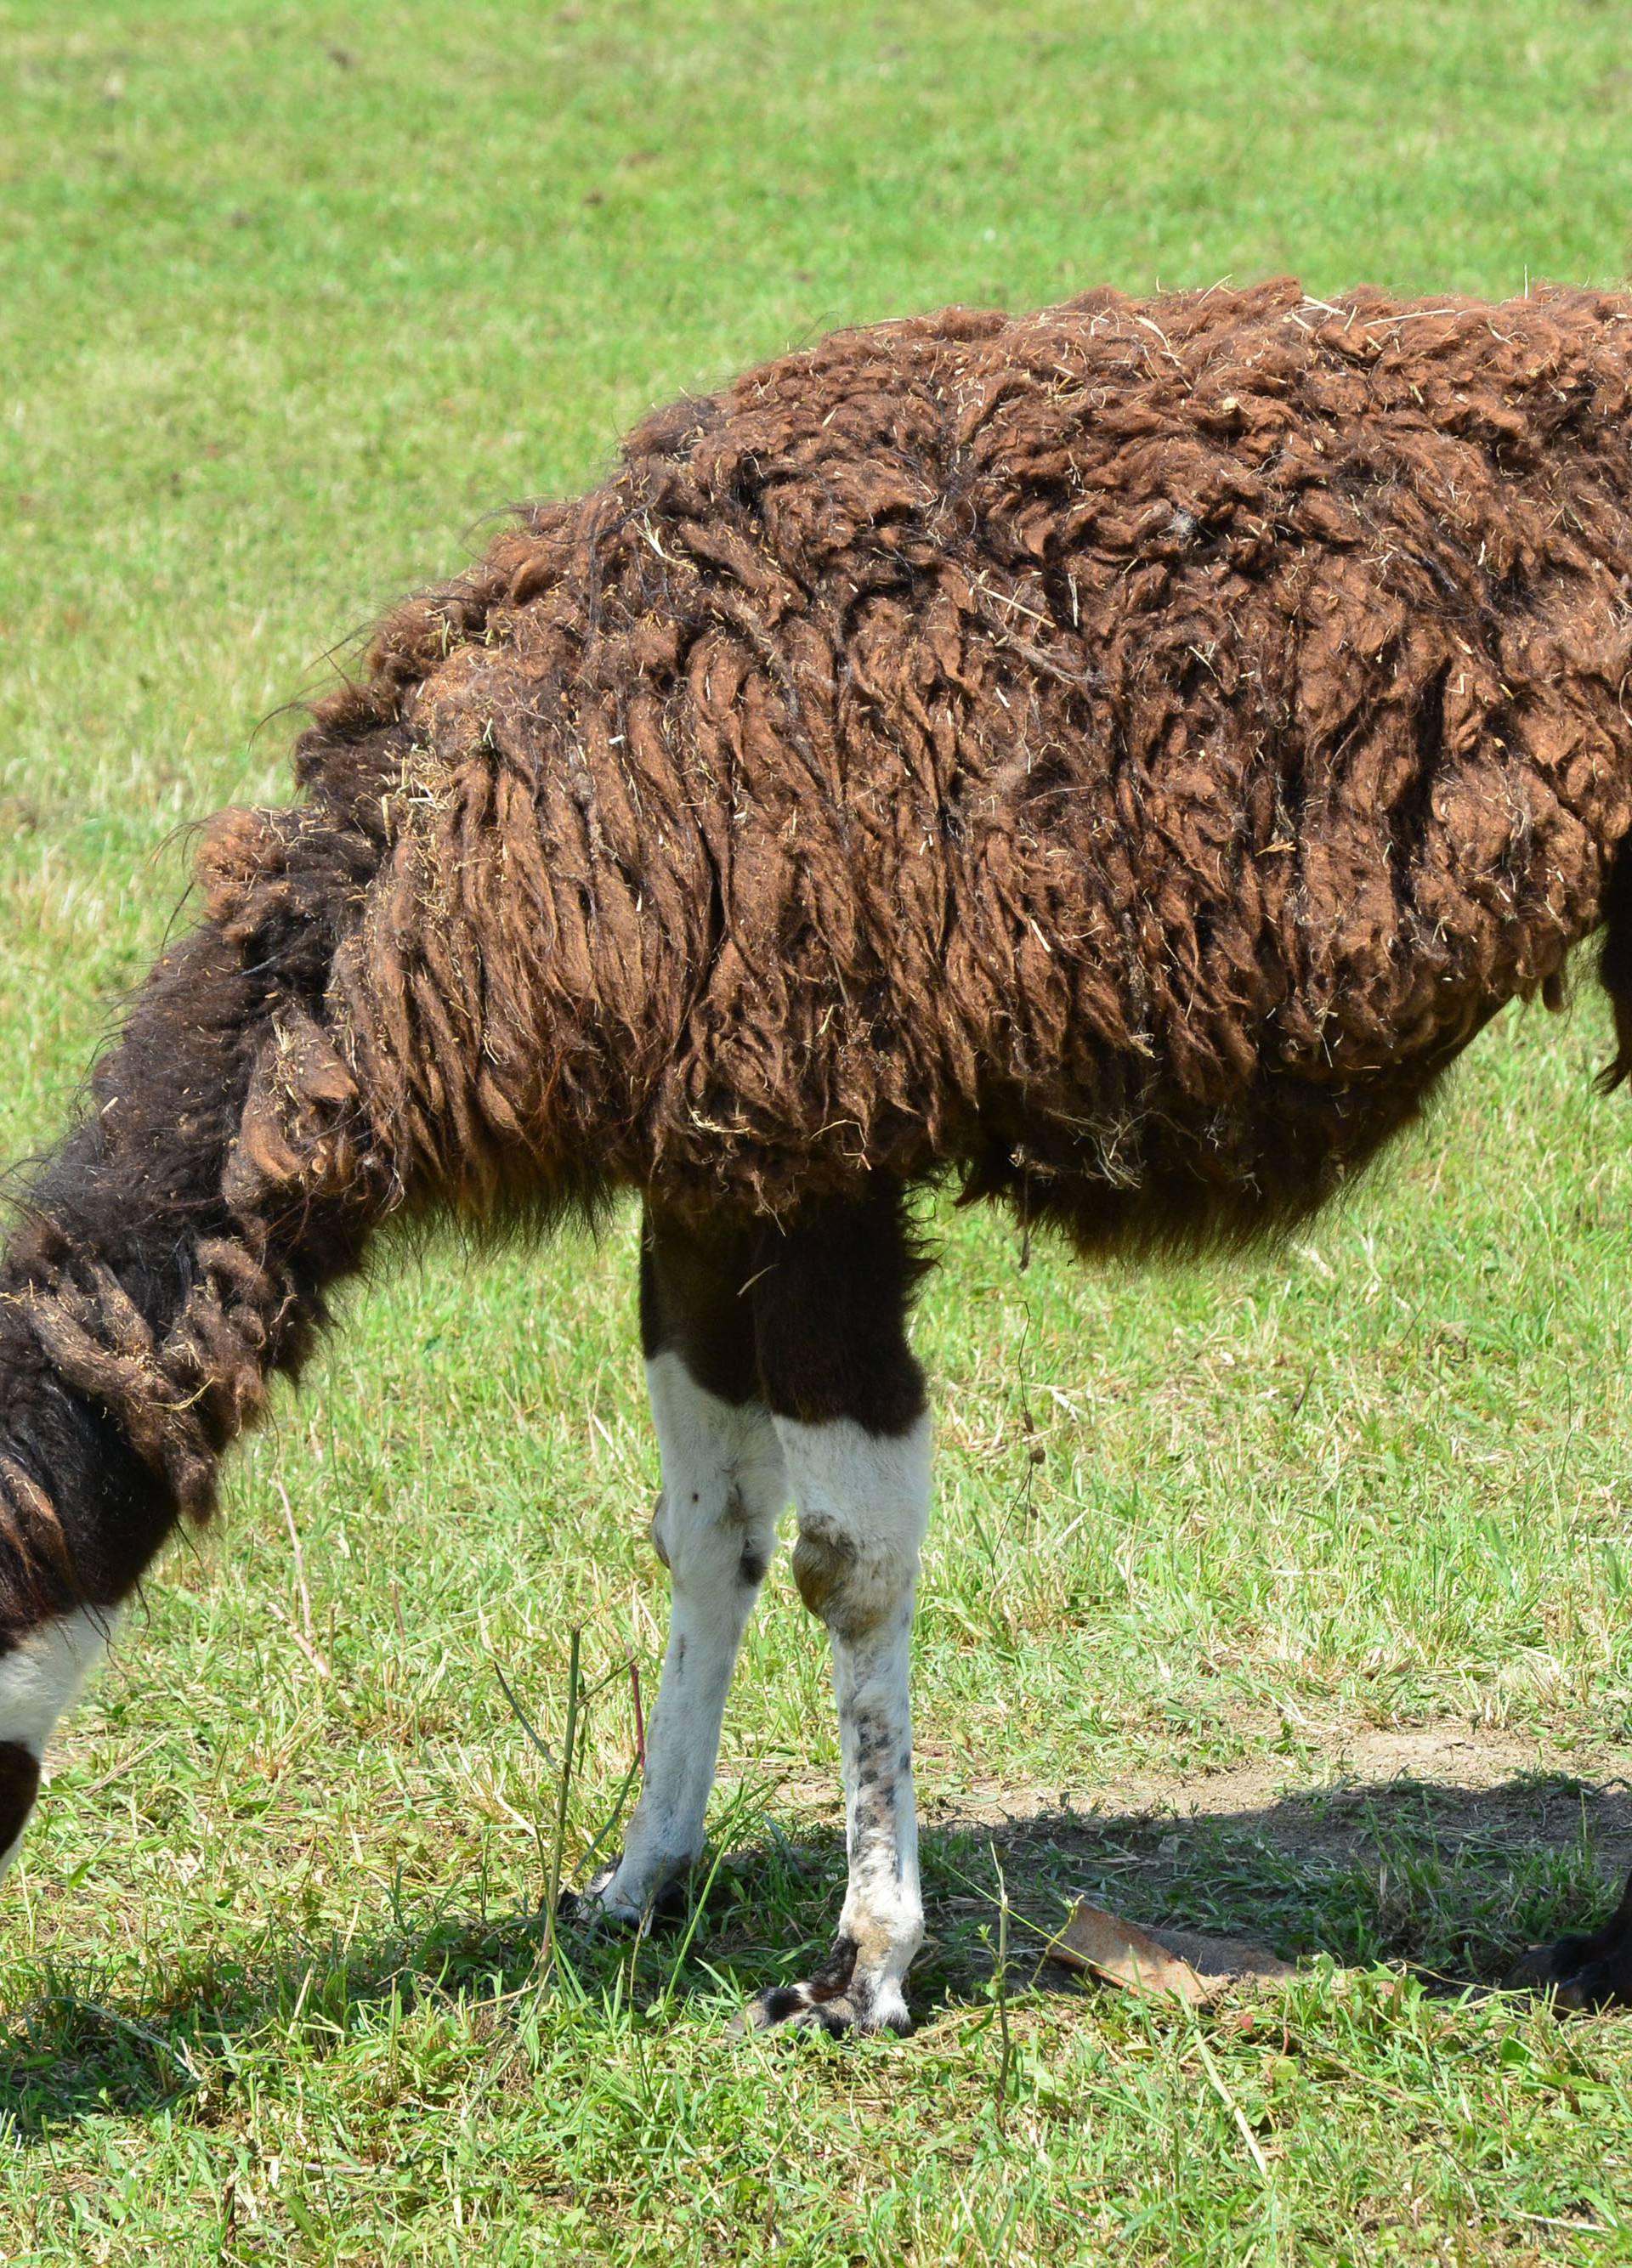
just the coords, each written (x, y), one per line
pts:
(1578, 1972)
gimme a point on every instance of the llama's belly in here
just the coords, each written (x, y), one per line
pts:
(1135, 1163)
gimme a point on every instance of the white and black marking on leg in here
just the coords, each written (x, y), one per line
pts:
(724, 1487)
(863, 1502)
(41, 1676)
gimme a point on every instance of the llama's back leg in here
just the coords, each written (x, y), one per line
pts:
(830, 1306)
(724, 1486)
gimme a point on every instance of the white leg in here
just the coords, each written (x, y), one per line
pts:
(724, 1487)
(863, 1502)
(41, 1675)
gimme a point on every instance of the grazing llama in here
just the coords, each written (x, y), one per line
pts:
(1116, 758)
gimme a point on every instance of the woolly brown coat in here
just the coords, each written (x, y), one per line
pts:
(1118, 755)
(1129, 748)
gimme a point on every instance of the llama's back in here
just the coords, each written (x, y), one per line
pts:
(1121, 754)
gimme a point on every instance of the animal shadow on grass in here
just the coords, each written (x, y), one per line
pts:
(1447, 1880)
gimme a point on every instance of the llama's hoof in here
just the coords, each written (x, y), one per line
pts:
(1579, 1972)
(795, 2008)
(597, 1911)
(835, 2000)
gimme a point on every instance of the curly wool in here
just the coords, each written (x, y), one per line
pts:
(1119, 755)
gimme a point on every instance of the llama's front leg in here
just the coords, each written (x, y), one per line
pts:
(724, 1487)
(863, 1503)
(855, 1432)
(42, 1672)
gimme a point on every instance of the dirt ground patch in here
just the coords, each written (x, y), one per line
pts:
(1502, 1782)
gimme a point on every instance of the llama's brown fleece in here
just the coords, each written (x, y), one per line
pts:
(1143, 737)
(1119, 755)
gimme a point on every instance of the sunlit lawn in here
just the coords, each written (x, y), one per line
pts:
(289, 299)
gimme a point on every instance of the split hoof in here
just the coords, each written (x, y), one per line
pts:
(836, 2000)
(1578, 1972)
(794, 2008)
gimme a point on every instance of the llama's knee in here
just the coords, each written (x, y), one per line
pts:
(863, 1502)
(724, 1483)
(823, 1562)
(850, 1582)
(706, 1536)
(731, 1539)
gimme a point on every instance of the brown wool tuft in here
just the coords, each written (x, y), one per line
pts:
(1118, 757)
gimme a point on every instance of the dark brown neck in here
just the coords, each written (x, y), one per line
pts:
(174, 1252)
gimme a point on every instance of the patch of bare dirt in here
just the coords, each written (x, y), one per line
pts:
(1471, 1756)
(1479, 1786)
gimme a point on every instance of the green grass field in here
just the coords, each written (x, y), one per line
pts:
(1290, 1595)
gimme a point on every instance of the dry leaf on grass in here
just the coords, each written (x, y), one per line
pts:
(1181, 1964)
